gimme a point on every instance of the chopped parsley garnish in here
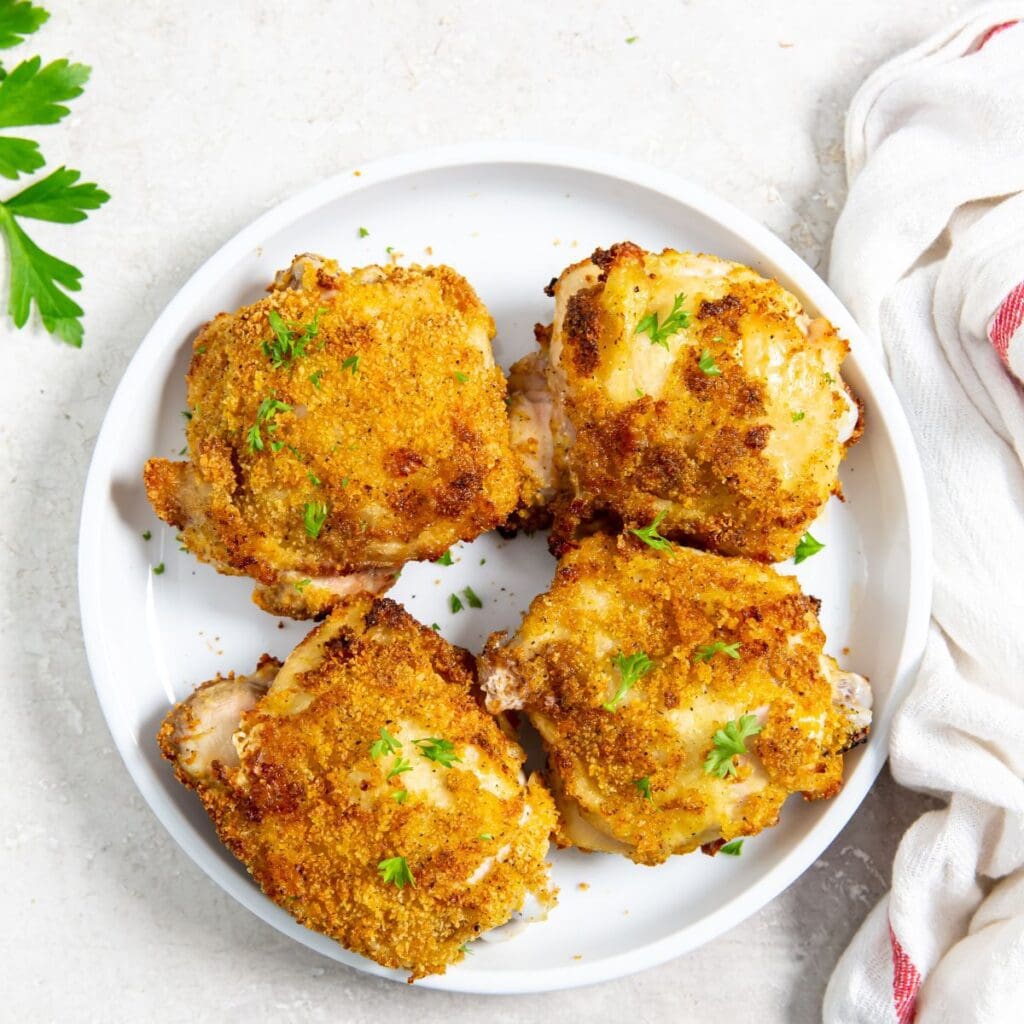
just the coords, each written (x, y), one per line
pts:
(639, 393)
(344, 481)
(300, 585)
(808, 546)
(733, 849)
(433, 748)
(631, 667)
(389, 249)
(351, 363)
(386, 744)
(829, 379)
(485, 837)
(396, 869)
(454, 603)
(400, 767)
(290, 338)
(798, 416)
(146, 535)
(295, 451)
(314, 379)
(727, 743)
(707, 651)
(276, 446)
(445, 559)
(158, 570)
(676, 321)
(400, 796)
(644, 787)
(265, 414)
(314, 515)
(718, 339)
(471, 599)
(465, 949)
(707, 365)
(363, 233)
(461, 377)
(435, 627)
(186, 414)
(630, 40)
(313, 478)
(650, 536)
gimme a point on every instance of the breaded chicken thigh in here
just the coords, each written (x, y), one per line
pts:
(682, 386)
(368, 792)
(681, 697)
(342, 426)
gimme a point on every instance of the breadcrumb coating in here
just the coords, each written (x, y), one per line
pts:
(628, 772)
(390, 441)
(310, 794)
(733, 423)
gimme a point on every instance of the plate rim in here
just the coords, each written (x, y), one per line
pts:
(910, 478)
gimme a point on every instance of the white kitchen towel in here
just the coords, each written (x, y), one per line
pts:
(929, 256)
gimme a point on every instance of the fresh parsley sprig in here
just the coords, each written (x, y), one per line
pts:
(705, 652)
(727, 743)
(808, 546)
(35, 94)
(644, 788)
(650, 536)
(396, 870)
(314, 515)
(631, 667)
(290, 339)
(386, 744)
(265, 414)
(434, 748)
(677, 320)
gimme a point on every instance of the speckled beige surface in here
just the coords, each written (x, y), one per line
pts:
(199, 117)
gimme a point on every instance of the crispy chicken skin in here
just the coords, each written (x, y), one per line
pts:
(285, 764)
(613, 596)
(393, 428)
(733, 424)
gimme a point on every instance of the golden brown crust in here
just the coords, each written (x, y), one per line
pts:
(312, 813)
(740, 453)
(407, 449)
(612, 596)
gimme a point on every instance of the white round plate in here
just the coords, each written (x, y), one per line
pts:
(509, 217)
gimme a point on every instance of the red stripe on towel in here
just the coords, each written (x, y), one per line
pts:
(906, 981)
(993, 31)
(1007, 321)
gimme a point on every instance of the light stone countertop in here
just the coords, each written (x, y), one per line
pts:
(200, 116)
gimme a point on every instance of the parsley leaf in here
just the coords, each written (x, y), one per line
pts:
(314, 379)
(33, 94)
(18, 20)
(727, 743)
(147, 535)
(158, 570)
(707, 651)
(631, 667)
(650, 536)
(461, 377)
(630, 40)
(19, 156)
(387, 744)
(445, 559)
(471, 599)
(57, 198)
(400, 796)
(351, 363)
(485, 837)
(363, 233)
(707, 365)
(433, 748)
(396, 869)
(400, 766)
(313, 478)
(644, 787)
(265, 414)
(733, 849)
(798, 416)
(314, 515)
(300, 585)
(676, 321)
(454, 603)
(290, 338)
(808, 546)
